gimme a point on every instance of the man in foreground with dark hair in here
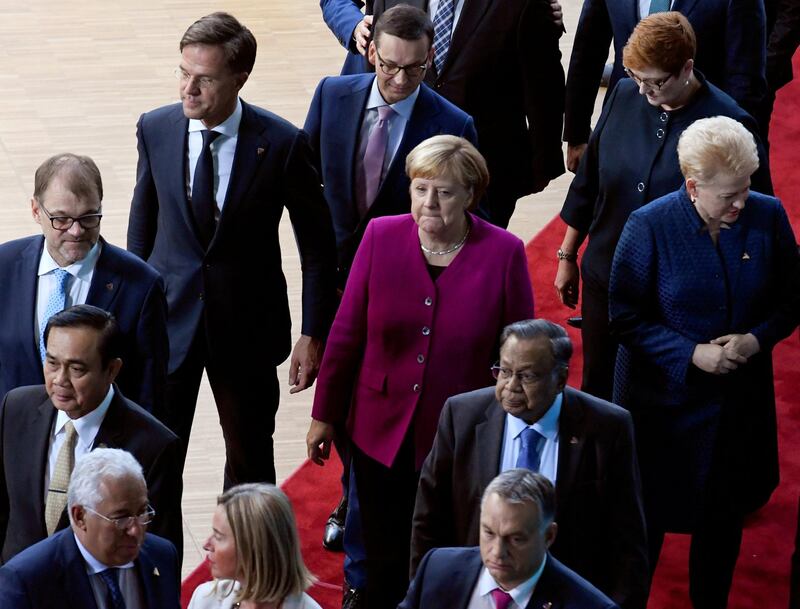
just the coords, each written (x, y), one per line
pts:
(44, 429)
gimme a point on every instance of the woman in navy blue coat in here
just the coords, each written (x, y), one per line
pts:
(630, 160)
(703, 285)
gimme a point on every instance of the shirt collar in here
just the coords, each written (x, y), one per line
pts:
(79, 269)
(404, 107)
(92, 564)
(229, 127)
(89, 424)
(521, 594)
(547, 425)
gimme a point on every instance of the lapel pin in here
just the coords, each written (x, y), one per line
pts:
(259, 151)
(745, 256)
(573, 440)
(109, 286)
(547, 605)
(155, 572)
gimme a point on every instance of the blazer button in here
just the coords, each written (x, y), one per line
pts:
(660, 134)
(416, 388)
(428, 301)
(420, 358)
(664, 116)
(201, 296)
(425, 330)
(640, 187)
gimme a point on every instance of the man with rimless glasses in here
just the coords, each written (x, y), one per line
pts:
(106, 560)
(71, 264)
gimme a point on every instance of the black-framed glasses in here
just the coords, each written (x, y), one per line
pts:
(123, 523)
(392, 69)
(506, 374)
(63, 223)
(650, 84)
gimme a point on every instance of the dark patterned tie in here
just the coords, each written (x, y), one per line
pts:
(442, 32)
(203, 202)
(115, 599)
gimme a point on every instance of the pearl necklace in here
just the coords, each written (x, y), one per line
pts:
(449, 250)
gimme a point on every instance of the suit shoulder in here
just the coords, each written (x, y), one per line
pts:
(158, 546)
(575, 590)
(597, 408)
(28, 396)
(274, 124)
(391, 224)
(428, 95)
(10, 250)
(39, 560)
(170, 112)
(131, 266)
(443, 557)
(137, 417)
(346, 82)
(477, 400)
(496, 235)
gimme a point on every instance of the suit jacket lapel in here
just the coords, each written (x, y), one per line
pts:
(546, 594)
(732, 247)
(486, 434)
(472, 13)
(25, 282)
(353, 103)
(147, 572)
(464, 577)
(683, 6)
(105, 281)
(571, 441)
(175, 151)
(77, 587)
(110, 434)
(36, 441)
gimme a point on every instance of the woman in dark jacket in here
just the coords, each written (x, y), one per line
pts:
(631, 160)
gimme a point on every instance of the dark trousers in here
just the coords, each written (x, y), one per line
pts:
(386, 499)
(599, 348)
(246, 394)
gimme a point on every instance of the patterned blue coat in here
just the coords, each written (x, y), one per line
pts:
(670, 290)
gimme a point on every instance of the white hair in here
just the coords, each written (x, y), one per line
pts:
(92, 468)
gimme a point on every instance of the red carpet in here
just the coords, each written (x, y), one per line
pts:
(762, 573)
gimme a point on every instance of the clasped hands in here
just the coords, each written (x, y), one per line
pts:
(725, 353)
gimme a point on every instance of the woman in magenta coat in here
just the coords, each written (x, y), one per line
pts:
(426, 300)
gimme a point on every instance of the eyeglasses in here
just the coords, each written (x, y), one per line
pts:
(63, 223)
(650, 84)
(123, 523)
(391, 69)
(204, 82)
(506, 374)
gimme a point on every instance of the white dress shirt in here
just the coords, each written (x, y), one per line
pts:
(77, 285)
(128, 581)
(458, 5)
(521, 595)
(86, 427)
(547, 426)
(223, 150)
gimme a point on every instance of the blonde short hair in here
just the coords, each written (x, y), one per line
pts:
(717, 145)
(450, 155)
(268, 556)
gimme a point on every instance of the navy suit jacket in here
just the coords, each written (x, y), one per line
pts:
(122, 284)
(52, 575)
(601, 530)
(26, 421)
(333, 125)
(447, 577)
(731, 52)
(271, 170)
(504, 69)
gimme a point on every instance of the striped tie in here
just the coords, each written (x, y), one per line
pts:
(442, 30)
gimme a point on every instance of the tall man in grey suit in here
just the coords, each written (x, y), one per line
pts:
(531, 419)
(45, 428)
(71, 264)
(213, 177)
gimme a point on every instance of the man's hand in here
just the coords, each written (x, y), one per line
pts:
(557, 14)
(318, 441)
(745, 345)
(716, 359)
(306, 356)
(362, 33)
(567, 283)
(574, 155)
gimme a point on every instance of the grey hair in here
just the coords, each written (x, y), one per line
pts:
(528, 329)
(95, 466)
(524, 486)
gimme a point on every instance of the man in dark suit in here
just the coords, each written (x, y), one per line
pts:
(69, 265)
(43, 429)
(531, 419)
(500, 63)
(206, 217)
(105, 560)
(512, 563)
(731, 53)
(344, 115)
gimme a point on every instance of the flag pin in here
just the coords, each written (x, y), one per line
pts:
(745, 256)
(155, 572)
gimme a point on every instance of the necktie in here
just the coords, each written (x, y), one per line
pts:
(529, 454)
(374, 155)
(502, 599)
(55, 304)
(442, 30)
(203, 202)
(115, 598)
(59, 479)
(659, 6)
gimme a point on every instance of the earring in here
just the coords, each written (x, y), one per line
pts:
(686, 83)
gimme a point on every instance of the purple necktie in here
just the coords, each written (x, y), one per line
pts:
(501, 598)
(374, 156)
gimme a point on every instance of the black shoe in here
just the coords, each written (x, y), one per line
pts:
(333, 537)
(352, 598)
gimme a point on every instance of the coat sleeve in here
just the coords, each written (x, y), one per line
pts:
(589, 52)
(342, 17)
(153, 347)
(632, 295)
(313, 127)
(144, 206)
(313, 230)
(346, 342)
(518, 288)
(12, 590)
(746, 57)
(432, 524)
